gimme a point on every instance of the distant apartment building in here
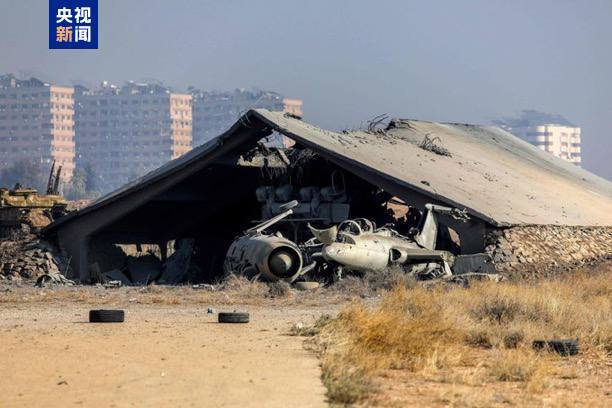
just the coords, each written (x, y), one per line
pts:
(215, 112)
(37, 124)
(293, 107)
(124, 132)
(551, 133)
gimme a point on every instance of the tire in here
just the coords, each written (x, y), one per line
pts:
(565, 347)
(233, 317)
(306, 285)
(106, 316)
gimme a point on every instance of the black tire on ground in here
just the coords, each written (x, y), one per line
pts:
(233, 317)
(565, 347)
(106, 316)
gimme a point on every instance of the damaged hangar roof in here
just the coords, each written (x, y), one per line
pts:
(496, 176)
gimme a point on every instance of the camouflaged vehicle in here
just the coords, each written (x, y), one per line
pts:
(25, 205)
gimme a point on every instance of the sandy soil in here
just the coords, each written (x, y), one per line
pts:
(581, 381)
(170, 352)
(163, 355)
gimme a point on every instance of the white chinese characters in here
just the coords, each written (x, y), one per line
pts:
(82, 15)
(63, 15)
(83, 33)
(75, 24)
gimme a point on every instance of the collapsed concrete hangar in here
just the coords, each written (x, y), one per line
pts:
(218, 189)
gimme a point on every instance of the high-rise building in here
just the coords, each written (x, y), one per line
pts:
(118, 132)
(36, 124)
(551, 133)
(215, 112)
(293, 107)
(124, 132)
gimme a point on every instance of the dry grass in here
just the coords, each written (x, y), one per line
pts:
(576, 307)
(235, 290)
(438, 331)
(299, 329)
(371, 283)
(517, 365)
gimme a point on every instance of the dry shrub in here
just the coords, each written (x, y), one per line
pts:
(300, 329)
(280, 289)
(352, 286)
(575, 307)
(418, 329)
(513, 339)
(239, 286)
(406, 331)
(346, 384)
(371, 282)
(162, 299)
(523, 366)
(479, 337)
(516, 365)
(389, 279)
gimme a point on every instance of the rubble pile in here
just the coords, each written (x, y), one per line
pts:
(28, 258)
(540, 250)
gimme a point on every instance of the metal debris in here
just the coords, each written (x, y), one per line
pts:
(113, 284)
(269, 257)
(176, 268)
(53, 279)
(374, 124)
(116, 275)
(360, 246)
(204, 286)
(429, 144)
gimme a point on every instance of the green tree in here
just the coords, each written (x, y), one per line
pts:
(82, 185)
(26, 172)
(75, 189)
(91, 179)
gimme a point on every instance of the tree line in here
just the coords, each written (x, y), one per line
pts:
(30, 174)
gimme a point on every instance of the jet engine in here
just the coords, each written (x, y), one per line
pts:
(269, 257)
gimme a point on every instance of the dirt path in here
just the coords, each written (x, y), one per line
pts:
(161, 356)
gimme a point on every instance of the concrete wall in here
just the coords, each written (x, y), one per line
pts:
(536, 251)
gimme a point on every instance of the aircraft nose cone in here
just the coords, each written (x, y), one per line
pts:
(281, 263)
(336, 252)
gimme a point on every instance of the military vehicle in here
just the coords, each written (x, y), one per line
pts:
(25, 206)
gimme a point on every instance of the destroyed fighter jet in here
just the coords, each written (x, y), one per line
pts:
(357, 245)
(269, 257)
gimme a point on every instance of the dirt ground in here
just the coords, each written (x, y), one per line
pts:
(163, 355)
(580, 381)
(171, 352)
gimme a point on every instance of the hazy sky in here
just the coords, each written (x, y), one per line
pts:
(461, 61)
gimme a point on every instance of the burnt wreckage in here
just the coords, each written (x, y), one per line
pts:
(420, 195)
(355, 245)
